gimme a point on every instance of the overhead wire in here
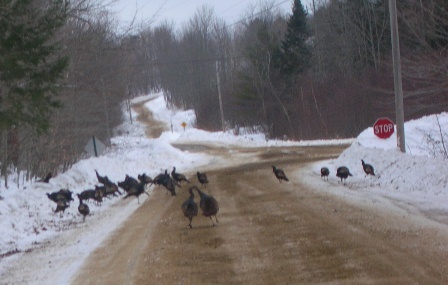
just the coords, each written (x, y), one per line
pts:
(256, 14)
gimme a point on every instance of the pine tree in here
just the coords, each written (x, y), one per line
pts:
(295, 54)
(29, 64)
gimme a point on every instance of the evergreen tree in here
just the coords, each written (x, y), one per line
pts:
(29, 64)
(294, 55)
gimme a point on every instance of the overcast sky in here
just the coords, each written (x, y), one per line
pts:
(180, 11)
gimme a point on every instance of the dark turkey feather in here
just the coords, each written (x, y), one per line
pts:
(178, 177)
(280, 174)
(343, 172)
(208, 205)
(368, 169)
(324, 172)
(189, 207)
(83, 209)
(202, 178)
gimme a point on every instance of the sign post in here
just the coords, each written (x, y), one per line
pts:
(383, 128)
(94, 146)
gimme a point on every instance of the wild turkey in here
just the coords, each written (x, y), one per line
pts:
(123, 185)
(98, 197)
(101, 179)
(343, 172)
(128, 183)
(111, 188)
(87, 195)
(368, 169)
(61, 195)
(178, 177)
(47, 178)
(136, 191)
(280, 174)
(170, 185)
(202, 178)
(106, 190)
(161, 178)
(166, 181)
(67, 193)
(83, 209)
(61, 206)
(190, 208)
(55, 196)
(208, 205)
(144, 178)
(324, 172)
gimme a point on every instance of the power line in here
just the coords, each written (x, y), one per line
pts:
(237, 4)
(256, 14)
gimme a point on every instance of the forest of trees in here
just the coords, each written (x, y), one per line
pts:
(323, 71)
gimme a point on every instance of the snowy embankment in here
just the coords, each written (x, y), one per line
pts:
(417, 178)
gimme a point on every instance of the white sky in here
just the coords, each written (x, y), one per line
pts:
(180, 11)
(406, 183)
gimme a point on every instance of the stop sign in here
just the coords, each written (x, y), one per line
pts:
(383, 128)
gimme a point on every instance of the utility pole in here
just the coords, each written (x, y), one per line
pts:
(128, 103)
(220, 97)
(398, 88)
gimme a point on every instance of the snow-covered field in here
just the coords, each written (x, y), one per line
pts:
(418, 179)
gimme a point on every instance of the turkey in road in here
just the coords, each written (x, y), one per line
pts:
(280, 174)
(324, 172)
(161, 179)
(178, 177)
(136, 190)
(368, 169)
(208, 205)
(343, 172)
(190, 208)
(170, 185)
(202, 178)
(166, 181)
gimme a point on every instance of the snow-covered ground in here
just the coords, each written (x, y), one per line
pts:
(418, 178)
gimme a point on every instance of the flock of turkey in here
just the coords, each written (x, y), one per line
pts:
(343, 172)
(136, 187)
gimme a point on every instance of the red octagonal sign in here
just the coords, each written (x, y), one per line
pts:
(383, 128)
